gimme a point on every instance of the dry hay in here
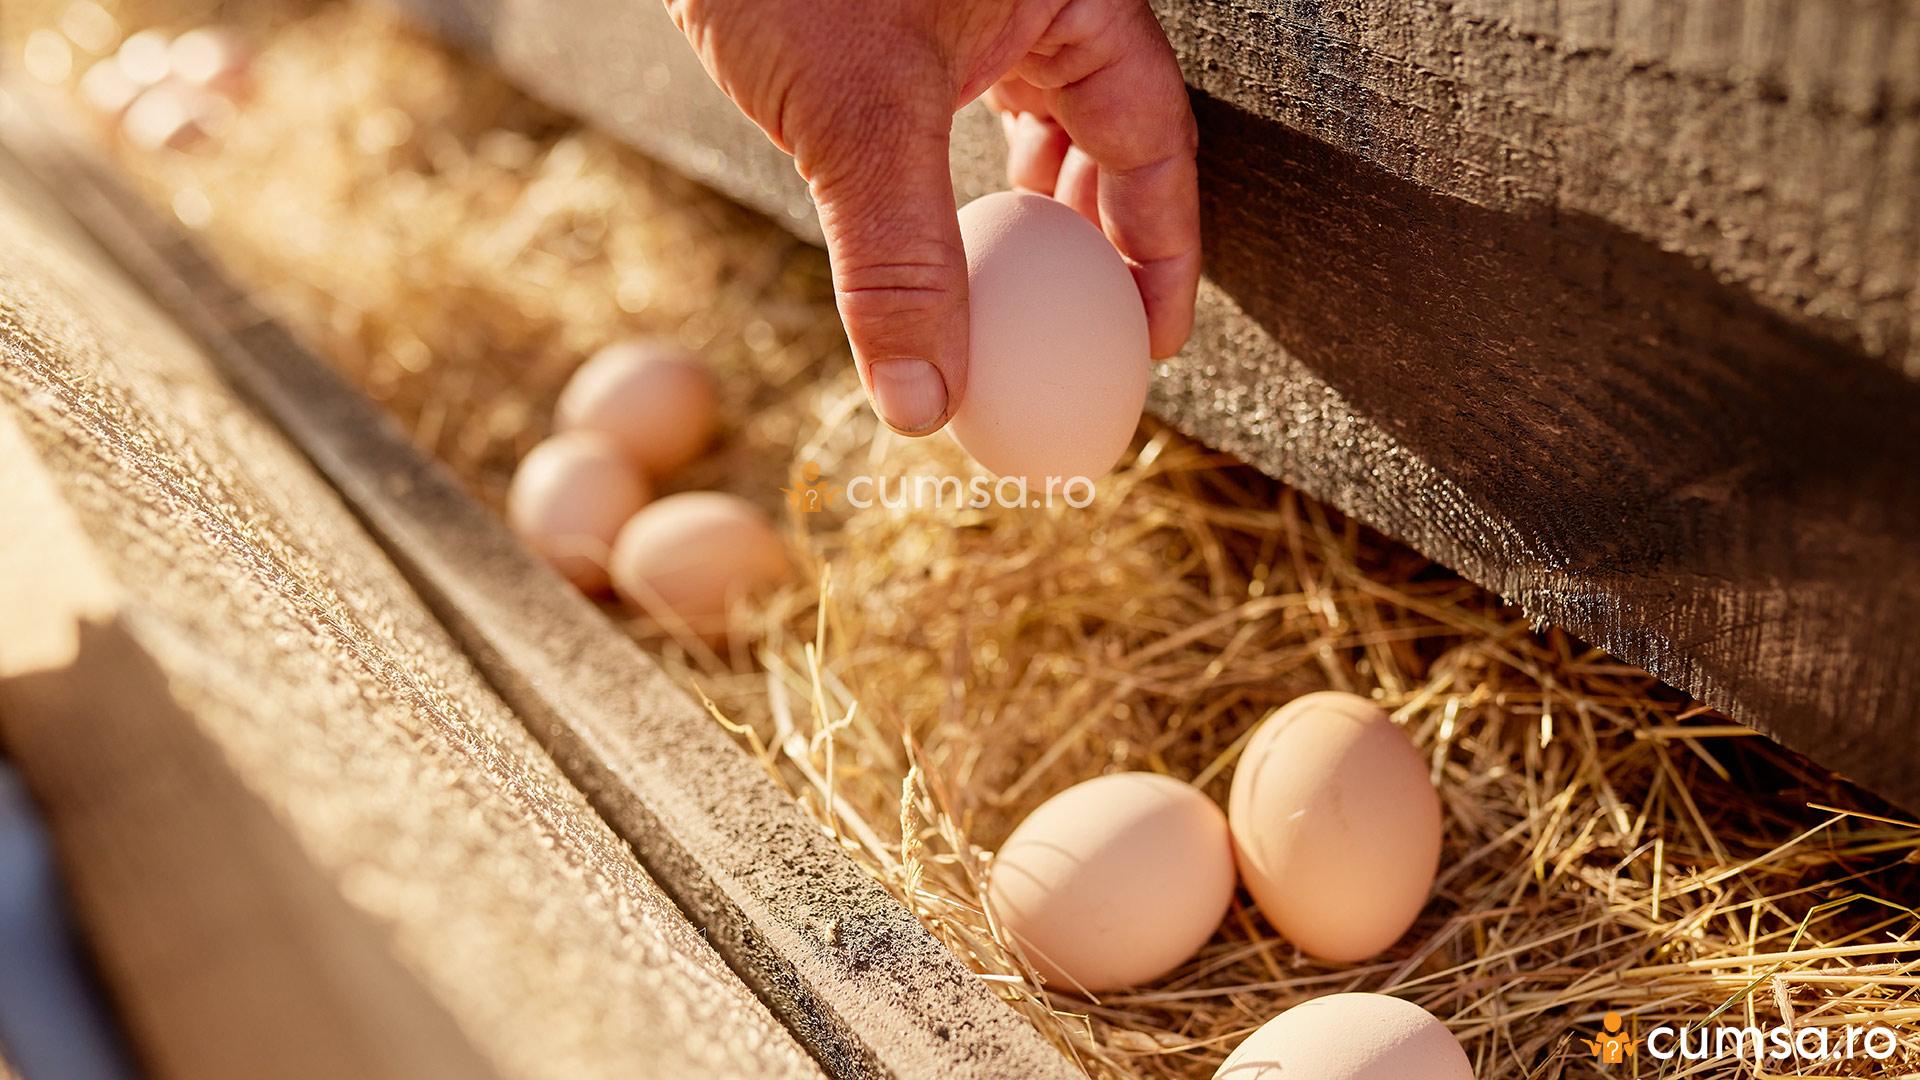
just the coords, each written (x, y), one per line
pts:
(938, 672)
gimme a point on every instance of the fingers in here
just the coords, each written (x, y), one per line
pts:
(1079, 184)
(878, 172)
(1122, 100)
(1036, 147)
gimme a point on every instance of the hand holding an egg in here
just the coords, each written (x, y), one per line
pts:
(864, 99)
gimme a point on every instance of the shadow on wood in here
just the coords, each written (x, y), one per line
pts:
(1626, 446)
(233, 955)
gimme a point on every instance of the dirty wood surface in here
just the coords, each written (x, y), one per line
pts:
(1610, 306)
(302, 835)
(850, 971)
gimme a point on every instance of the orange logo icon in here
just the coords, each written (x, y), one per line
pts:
(1613, 1045)
(813, 495)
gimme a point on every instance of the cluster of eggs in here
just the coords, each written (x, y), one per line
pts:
(1332, 824)
(170, 92)
(583, 499)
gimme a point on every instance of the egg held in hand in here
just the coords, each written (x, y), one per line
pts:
(568, 500)
(1349, 1037)
(1336, 825)
(1114, 882)
(1058, 357)
(688, 558)
(653, 396)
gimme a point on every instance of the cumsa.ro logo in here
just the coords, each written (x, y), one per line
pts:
(1700, 1042)
(1614, 1045)
(813, 494)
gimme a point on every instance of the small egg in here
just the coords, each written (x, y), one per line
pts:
(107, 89)
(1336, 825)
(1349, 1037)
(655, 397)
(686, 559)
(212, 58)
(90, 26)
(1116, 881)
(568, 500)
(1058, 364)
(143, 57)
(169, 115)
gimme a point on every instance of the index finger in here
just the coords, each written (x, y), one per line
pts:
(1121, 98)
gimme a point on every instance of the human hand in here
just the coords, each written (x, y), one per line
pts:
(862, 93)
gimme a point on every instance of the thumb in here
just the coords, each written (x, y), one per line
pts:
(878, 172)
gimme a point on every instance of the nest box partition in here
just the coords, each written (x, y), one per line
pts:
(306, 552)
(1609, 306)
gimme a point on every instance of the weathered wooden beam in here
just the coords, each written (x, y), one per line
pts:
(849, 969)
(1609, 306)
(303, 837)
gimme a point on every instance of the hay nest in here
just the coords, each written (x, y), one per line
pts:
(937, 673)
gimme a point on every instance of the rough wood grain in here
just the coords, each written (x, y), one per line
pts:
(1609, 305)
(303, 837)
(1776, 144)
(849, 969)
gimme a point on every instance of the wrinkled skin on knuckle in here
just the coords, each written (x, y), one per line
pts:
(842, 128)
(883, 270)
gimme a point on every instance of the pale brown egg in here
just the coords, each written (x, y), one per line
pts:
(568, 500)
(688, 558)
(143, 57)
(1336, 825)
(1114, 882)
(1349, 1037)
(168, 115)
(655, 397)
(213, 58)
(107, 89)
(1059, 357)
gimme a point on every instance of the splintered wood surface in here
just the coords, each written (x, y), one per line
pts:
(1610, 307)
(303, 836)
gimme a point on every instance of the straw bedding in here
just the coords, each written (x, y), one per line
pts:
(936, 673)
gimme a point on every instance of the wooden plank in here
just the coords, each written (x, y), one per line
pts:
(302, 835)
(53, 1020)
(1610, 307)
(849, 969)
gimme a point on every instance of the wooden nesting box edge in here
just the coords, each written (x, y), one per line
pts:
(851, 971)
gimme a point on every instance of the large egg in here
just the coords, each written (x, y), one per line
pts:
(657, 398)
(213, 58)
(569, 498)
(1350, 1037)
(1336, 825)
(1116, 881)
(1057, 371)
(169, 115)
(686, 559)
